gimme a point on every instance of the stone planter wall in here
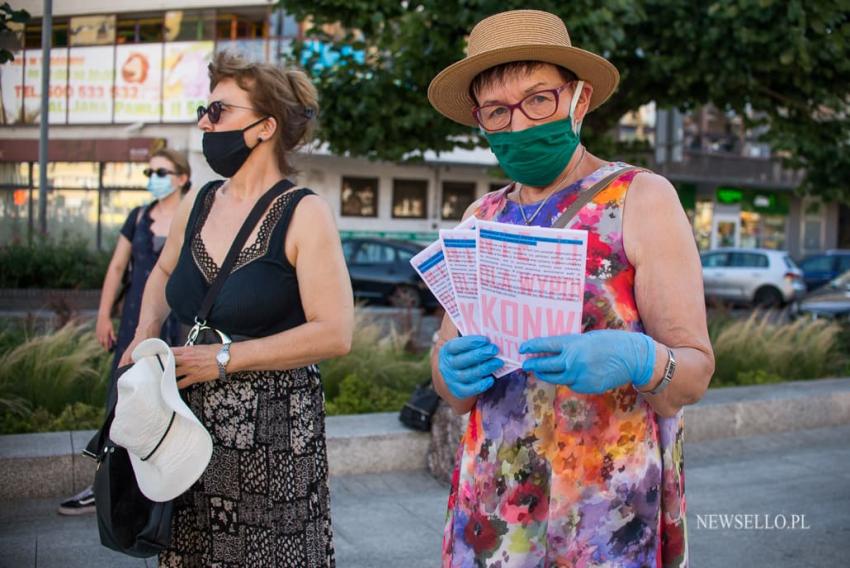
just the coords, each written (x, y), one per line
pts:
(47, 299)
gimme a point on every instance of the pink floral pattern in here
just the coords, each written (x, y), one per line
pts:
(549, 477)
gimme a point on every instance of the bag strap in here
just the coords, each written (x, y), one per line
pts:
(586, 196)
(236, 248)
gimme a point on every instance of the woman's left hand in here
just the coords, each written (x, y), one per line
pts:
(592, 362)
(196, 364)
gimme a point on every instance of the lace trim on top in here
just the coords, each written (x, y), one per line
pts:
(252, 252)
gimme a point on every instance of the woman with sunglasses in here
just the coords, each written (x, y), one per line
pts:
(286, 304)
(138, 247)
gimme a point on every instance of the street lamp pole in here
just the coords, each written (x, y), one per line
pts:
(46, 43)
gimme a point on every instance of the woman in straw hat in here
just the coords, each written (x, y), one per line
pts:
(575, 459)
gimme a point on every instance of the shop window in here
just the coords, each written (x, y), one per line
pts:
(243, 23)
(773, 232)
(410, 198)
(812, 229)
(59, 28)
(69, 174)
(14, 215)
(139, 28)
(15, 174)
(186, 25)
(457, 197)
(702, 223)
(258, 50)
(114, 208)
(72, 214)
(359, 197)
(92, 30)
(125, 175)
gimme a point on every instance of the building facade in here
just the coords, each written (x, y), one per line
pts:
(124, 82)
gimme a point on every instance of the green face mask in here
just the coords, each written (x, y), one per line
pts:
(536, 156)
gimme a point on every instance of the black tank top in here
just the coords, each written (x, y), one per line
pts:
(260, 297)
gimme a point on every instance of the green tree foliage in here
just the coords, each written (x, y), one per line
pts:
(9, 14)
(784, 62)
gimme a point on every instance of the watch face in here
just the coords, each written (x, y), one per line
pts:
(223, 357)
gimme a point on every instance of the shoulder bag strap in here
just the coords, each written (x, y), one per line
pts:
(586, 196)
(247, 227)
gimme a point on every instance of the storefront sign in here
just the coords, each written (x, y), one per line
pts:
(12, 86)
(138, 83)
(90, 85)
(186, 79)
(729, 195)
(57, 95)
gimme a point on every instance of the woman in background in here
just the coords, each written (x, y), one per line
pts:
(139, 243)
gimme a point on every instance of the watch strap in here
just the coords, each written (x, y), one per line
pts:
(222, 369)
(669, 369)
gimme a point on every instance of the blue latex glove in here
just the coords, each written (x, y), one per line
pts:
(592, 362)
(467, 365)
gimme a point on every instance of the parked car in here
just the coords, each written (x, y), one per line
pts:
(831, 301)
(821, 269)
(381, 272)
(761, 277)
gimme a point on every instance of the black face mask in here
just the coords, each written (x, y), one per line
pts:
(226, 151)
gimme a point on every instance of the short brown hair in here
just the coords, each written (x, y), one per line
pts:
(286, 94)
(180, 163)
(498, 73)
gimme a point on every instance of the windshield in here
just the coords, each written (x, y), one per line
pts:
(842, 281)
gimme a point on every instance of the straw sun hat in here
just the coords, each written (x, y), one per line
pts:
(519, 35)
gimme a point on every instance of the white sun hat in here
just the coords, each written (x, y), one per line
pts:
(168, 446)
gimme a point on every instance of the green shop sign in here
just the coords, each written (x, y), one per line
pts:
(769, 202)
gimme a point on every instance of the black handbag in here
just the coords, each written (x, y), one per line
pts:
(127, 521)
(418, 411)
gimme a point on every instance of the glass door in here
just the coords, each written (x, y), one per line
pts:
(726, 230)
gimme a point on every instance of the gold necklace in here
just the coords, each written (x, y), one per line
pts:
(528, 220)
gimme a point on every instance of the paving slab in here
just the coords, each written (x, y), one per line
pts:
(395, 519)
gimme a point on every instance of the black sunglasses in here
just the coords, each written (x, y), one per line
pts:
(213, 111)
(160, 172)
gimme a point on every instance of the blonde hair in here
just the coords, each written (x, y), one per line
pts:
(287, 94)
(180, 163)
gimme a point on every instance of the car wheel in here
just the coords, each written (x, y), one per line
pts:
(405, 297)
(768, 297)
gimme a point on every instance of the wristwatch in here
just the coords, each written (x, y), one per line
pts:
(668, 373)
(223, 358)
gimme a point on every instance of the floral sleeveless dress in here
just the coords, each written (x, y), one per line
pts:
(548, 477)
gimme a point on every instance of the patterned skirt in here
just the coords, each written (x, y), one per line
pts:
(263, 500)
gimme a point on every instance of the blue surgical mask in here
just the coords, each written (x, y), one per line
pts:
(160, 187)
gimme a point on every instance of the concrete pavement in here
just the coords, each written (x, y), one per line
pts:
(395, 519)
